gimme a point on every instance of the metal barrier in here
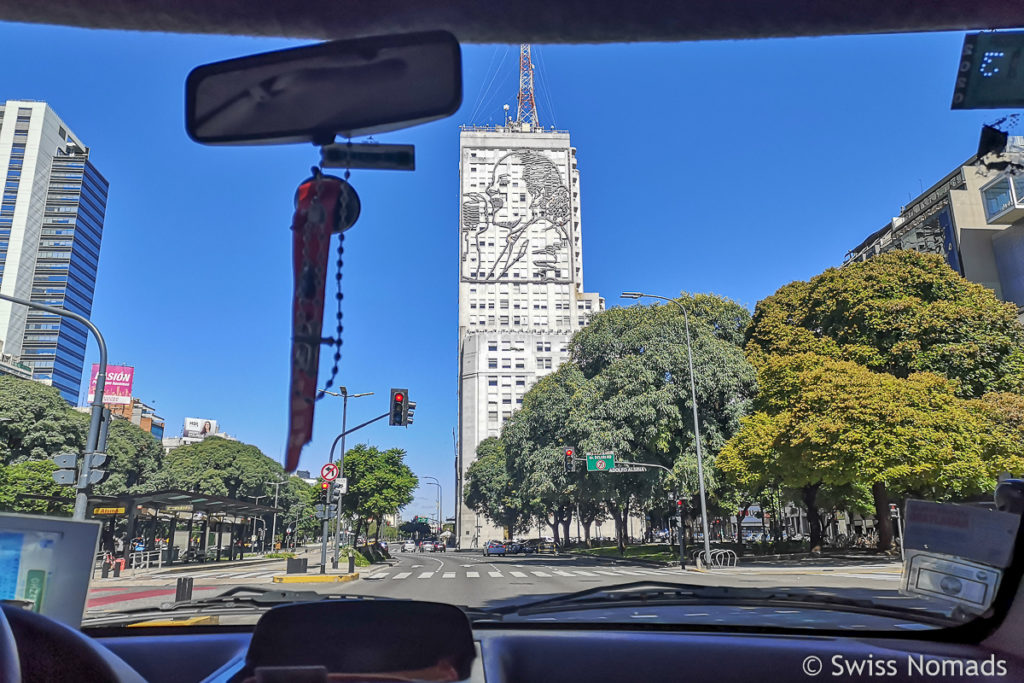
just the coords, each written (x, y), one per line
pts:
(719, 557)
(146, 559)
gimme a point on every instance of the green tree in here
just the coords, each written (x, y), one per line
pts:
(221, 467)
(489, 490)
(28, 487)
(899, 313)
(135, 460)
(379, 483)
(829, 423)
(636, 401)
(36, 422)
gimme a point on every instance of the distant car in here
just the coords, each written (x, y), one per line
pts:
(440, 547)
(547, 548)
(528, 547)
(409, 547)
(513, 547)
(494, 548)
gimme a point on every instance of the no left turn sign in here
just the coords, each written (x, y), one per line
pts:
(329, 472)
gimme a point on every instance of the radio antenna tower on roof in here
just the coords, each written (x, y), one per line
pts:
(527, 110)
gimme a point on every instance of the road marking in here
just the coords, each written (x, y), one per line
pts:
(540, 574)
(425, 575)
(417, 566)
(583, 572)
(495, 575)
(562, 573)
(628, 571)
(448, 575)
(472, 575)
(604, 572)
(649, 571)
(518, 575)
(401, 575)
(469, 565)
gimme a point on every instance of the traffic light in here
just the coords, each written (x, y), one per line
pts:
(570, 464)
(325, 488)
(335, 495)
(410, 407)
(399, 413)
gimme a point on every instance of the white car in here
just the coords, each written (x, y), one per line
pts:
(409, 547)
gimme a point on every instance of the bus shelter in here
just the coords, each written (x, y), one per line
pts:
(172, 513)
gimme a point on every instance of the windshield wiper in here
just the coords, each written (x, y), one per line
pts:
(645, 593)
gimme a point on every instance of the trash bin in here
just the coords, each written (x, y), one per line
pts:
(296, 565)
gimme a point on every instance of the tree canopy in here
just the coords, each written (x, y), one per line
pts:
(379, 483)
(220, 467)
(900, 312)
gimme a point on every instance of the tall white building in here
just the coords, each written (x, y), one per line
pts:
(521, 292)
(51, 226)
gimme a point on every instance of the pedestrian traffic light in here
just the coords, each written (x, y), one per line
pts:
(399, 412)
(570, 463)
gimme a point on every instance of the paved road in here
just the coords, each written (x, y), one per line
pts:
(473, 580)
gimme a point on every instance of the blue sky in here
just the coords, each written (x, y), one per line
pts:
(727, 167)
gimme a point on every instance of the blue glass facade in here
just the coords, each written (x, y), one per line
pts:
(65, 271)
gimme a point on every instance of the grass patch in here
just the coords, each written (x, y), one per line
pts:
(657, 552)
(279, 556)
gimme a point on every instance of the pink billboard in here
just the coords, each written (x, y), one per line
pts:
(118, 386)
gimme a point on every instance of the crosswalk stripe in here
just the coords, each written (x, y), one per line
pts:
(401, 575)
(604, 571)
(583, 572)
(519, 575)
(540, 574)
(495, 575)
(425, 575)
(649, 571)
(448, 575)
(472, 575)
(630, 572)
(559, 572)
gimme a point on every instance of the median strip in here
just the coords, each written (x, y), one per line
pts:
(315, 578)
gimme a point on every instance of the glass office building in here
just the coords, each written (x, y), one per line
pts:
(51, 226)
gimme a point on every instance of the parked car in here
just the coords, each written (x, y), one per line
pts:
(440, 547)
(528, 547)
(547, 548)
(409, 547)
(495, 548)
(513, 547)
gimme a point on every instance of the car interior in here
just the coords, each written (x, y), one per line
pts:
(355, 638)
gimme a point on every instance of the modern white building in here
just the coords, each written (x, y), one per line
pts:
(51, 225)
(521, 293)
(974, 218)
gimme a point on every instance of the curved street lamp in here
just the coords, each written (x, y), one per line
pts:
(696, 426)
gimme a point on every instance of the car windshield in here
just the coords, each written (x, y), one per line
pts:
(794, 365)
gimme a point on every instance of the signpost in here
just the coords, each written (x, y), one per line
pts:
(341, 485)
(600, 462)
(627, 468)
(329, 472)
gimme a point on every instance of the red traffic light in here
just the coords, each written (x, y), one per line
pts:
(399, 397)
(325, 486)
(679, 503)
(568, 452)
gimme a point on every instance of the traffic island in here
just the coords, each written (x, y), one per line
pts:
(316, 578)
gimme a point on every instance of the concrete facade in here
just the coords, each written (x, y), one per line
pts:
(972, 217)
(521, 293)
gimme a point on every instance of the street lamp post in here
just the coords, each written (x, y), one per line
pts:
(696, 425)
(273, 528)
(341, 466)
(96, 441)
(440, 502)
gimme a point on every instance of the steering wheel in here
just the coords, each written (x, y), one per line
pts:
(37, 648)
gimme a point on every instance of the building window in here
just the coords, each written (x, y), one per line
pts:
(492, 346)
(492, 363)
(492, 381)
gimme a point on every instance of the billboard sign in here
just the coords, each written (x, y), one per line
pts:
(199, 428)
(118, 385)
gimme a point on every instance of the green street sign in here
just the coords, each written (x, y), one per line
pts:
(600, 462)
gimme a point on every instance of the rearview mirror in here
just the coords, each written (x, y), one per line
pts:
(312, 94)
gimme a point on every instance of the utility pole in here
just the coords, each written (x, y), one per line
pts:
(526, 111)
(273, 528)
(341, 464)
